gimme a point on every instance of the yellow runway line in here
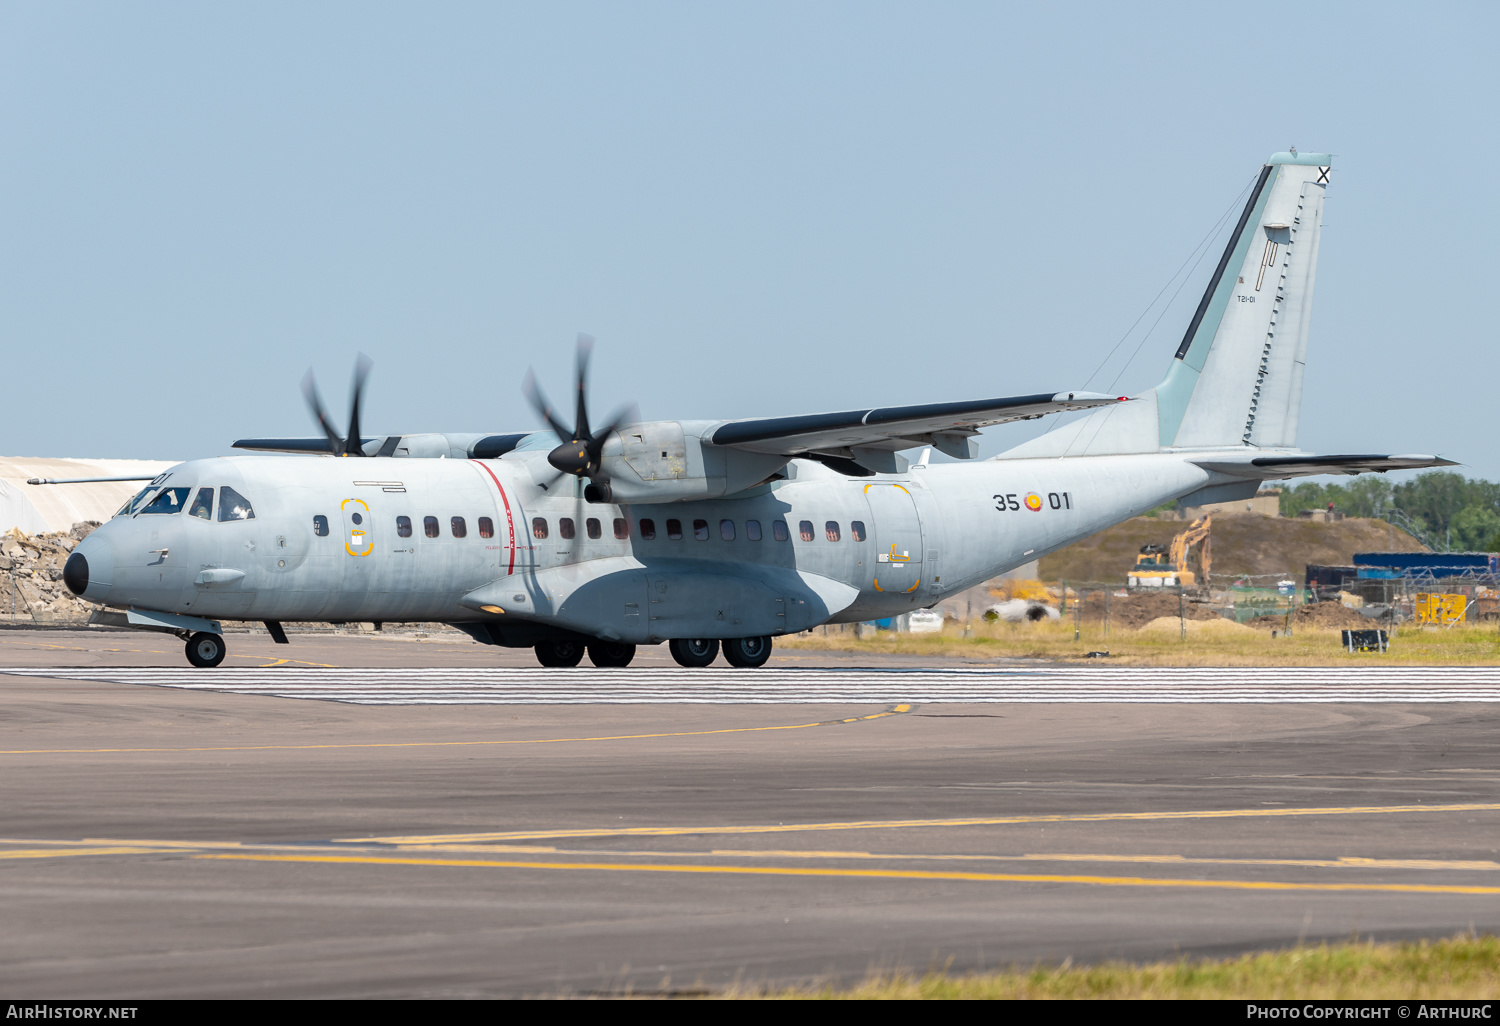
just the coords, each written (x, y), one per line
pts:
(869, 874)
(52, 853)
(892, 824)
(894, 711)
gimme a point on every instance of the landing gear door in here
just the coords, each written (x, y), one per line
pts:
(897, 533)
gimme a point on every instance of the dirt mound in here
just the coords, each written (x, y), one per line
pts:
(1322, 615)
(1135, 611)
(1242, 544)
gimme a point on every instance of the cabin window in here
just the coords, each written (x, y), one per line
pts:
(169, 501)
(674, 530)
(486, 527)
(831, 530)
(726, 530)
(648, 529)
(592, 526)
(430, 526)
(779, 531)
(320, 526)
(234, 506)
(460, 529)
(403, 527)
(752, 530)
(700, 530)
(203, 505)
(857, 530)
(539, 527)
(805, 530)
(565, 528)
(622, 528)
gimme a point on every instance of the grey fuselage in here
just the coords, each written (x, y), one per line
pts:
(927, 534)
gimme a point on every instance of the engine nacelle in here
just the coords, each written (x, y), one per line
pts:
(668, 461)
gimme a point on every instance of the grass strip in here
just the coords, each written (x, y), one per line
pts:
(1460, 967)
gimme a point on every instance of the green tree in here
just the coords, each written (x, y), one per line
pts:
(1473, 528)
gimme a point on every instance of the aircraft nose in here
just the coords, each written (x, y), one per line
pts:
(90, 569)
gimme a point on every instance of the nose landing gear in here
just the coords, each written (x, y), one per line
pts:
(206, 650)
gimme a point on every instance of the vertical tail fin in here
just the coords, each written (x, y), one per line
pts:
(1237, 376)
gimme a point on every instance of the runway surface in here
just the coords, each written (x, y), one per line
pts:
(715, 686)
(486, 831)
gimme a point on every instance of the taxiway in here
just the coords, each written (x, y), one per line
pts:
(288, 831)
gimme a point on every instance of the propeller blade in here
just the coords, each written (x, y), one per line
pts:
(354, 441)
(543, 408)
(315, 404)
(581, 418)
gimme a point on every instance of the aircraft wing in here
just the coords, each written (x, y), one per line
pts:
(946, 426)
(1305, 465)
(310, 445)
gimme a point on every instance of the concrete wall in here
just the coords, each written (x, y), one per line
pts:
(38, 509)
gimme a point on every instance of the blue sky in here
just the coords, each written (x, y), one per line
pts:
(758, 209)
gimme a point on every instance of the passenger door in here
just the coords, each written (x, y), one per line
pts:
(897, 532)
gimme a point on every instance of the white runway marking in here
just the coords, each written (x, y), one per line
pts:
(724, 686)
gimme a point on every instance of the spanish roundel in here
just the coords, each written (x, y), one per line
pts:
(1033, 501)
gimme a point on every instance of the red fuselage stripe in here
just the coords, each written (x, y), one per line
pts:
(510, 523)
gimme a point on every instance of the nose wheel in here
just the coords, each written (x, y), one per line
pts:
(205, 650)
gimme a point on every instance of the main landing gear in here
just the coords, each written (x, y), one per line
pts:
(693, 652)
(570, 653)
(690, 652)
(205, 649)
(743, 652)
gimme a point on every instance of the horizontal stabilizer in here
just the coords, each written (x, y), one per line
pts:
(893, 428)
(1267, 467)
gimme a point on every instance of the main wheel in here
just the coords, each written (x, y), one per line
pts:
(559, 653)
(610, 653)
(694, 651)
(205, 649)
(747, 652)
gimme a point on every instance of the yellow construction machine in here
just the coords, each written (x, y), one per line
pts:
(1161, 566)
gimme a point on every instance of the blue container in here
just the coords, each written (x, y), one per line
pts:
(1425, 564)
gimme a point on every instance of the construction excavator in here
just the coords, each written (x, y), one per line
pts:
(1162, 566)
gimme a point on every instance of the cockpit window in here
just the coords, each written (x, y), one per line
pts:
(134, 502)
(234, 506)
(169, 501)
(203, 504)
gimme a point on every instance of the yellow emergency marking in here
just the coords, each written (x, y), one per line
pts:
(869, 874)
(892, 824)
(893, 711)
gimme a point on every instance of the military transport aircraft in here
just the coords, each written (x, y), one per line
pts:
(705, 534)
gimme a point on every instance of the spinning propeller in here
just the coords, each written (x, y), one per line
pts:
(579, 454)
(352, 443)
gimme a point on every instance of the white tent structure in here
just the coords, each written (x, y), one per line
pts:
(37, 509)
